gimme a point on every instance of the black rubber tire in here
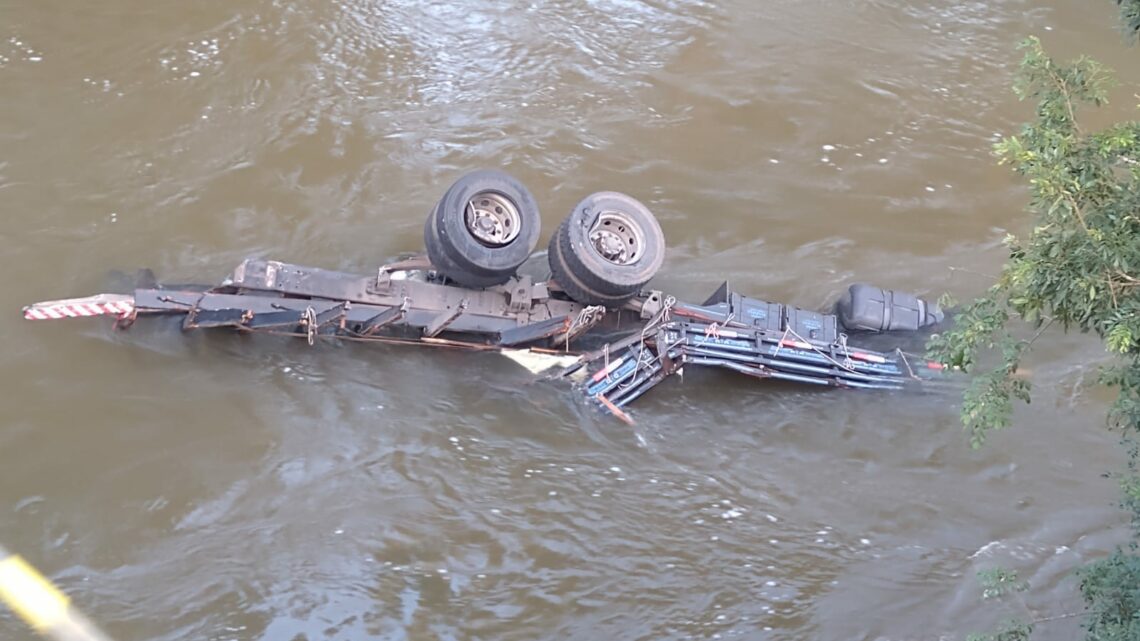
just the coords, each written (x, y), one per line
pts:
(441, 260)
(578, 290)
(456, 253)
(580, 269)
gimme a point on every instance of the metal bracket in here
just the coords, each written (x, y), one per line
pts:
(334, 314)
(312, 321)
(521, 294)
(653, 304)
(535, 331)
(440, 323)
(383, 279)
(383, 319)
(270, 320)
(540, 292)
(201, 319)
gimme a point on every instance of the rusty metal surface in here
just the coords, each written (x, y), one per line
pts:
(520, 299)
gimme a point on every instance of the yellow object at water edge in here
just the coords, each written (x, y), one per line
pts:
(30, 595)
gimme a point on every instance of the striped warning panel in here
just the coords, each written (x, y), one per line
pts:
(102, 305)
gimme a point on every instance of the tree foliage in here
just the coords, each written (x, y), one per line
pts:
(1077, 267)
(1111, 588)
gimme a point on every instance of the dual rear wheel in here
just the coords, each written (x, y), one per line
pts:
(487, 224)
(606, 250)
(484, 227)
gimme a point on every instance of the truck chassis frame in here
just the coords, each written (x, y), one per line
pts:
(408, 301)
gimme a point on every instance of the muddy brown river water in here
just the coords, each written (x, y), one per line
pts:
(213, 486)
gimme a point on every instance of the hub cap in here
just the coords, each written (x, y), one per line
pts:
(616, 238)
(492, 219)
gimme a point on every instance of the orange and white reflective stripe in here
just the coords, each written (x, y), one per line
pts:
(79, 308)
(863, 356)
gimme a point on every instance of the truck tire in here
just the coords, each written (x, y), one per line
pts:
(606, 250)
(485, 225)
(578, 290)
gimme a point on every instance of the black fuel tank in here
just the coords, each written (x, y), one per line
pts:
(873, 309)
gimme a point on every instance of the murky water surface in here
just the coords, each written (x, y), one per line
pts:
(211, 486)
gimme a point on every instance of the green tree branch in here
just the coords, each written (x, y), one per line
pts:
(1078, 267)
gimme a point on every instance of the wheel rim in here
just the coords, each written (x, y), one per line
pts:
(492, 219)
(616, 238)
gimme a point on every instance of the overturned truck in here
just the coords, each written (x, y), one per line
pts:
(594, 321)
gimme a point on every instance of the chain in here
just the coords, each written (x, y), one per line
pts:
(309, 320)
